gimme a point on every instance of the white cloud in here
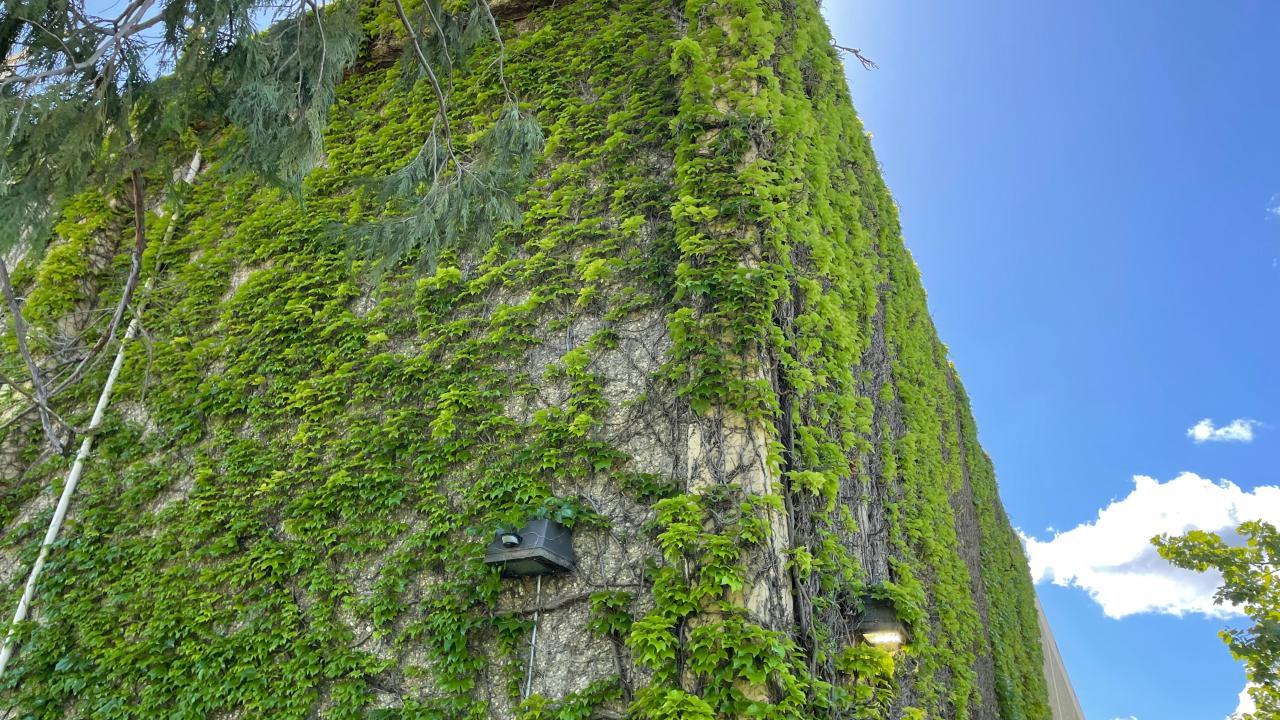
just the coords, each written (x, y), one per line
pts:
(1246, 705)
(1113, 560)
(1273, 207)
(1239, 430)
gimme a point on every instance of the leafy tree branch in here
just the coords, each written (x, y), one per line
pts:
(87, 99)
(1250, 583)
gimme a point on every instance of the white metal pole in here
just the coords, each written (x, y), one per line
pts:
(533, 644)
(64, 501)
(77, 468)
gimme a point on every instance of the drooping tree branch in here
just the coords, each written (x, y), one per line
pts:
(275, 84)
(502, 53)
(131, 22)
(442, 102)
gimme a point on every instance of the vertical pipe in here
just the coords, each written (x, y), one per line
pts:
(533, 643)
(77, 468)
(64, 501)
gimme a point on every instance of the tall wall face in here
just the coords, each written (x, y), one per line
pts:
(705, 346)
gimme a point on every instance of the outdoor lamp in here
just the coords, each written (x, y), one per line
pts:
(878, 624)
(541, 547)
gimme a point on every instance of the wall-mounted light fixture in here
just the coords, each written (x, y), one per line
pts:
(541, 547)
(878, 624)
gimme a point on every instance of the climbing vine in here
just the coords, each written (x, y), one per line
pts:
(287, 515)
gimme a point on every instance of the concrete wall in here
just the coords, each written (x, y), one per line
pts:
(1062, 696)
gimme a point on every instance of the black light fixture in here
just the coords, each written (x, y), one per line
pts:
(541, 547)
(878, 624)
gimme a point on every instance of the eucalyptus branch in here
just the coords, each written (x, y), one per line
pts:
(79, 14)
(70, 69)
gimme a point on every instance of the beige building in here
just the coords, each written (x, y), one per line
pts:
(1062, 696)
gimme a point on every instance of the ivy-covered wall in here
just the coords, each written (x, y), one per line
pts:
(705, 348)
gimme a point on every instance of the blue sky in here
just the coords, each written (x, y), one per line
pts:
(1092, 192)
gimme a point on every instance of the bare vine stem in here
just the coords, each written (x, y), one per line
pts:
(42, 394)
(38, 388)
(9, 644)
(867, 63)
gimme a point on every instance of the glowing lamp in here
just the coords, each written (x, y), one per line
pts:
(878, 624)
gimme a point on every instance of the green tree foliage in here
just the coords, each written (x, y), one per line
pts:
(1249, 582)
(84, 99)
(87, 100)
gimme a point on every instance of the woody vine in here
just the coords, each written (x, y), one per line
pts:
(336, 439)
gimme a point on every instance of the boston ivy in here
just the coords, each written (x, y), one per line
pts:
(306, 441)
